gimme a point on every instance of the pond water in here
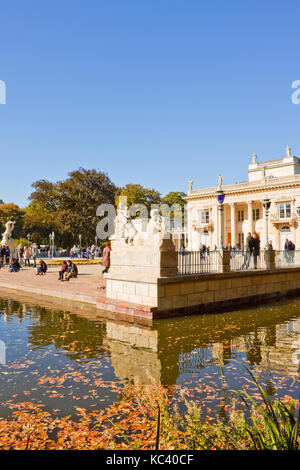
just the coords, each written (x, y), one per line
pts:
(66, 360)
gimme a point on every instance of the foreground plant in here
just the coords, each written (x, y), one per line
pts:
(145, 419)
(275, 425)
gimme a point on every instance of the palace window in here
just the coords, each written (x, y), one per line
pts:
(284, 211)
(241, 239)
(255, 214)
(204, 217)
(240, 216)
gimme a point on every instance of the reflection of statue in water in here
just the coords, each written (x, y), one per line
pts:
(6, 237)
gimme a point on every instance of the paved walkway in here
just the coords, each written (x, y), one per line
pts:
(82, 289)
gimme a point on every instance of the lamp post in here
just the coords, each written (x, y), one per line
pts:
(266, 205)
(50, 245)
(53, 249)
(96, 240)
(220, 198)
(80, 245)
(28, 238)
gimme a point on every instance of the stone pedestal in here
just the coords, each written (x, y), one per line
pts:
(134, 269)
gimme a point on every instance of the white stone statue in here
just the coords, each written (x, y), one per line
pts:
(7, 240)
(120, 222)
(190, 186)
(220, 181)
(124, 228)
(288, 151)
(254, 158)
(156, 225)
(129, 231)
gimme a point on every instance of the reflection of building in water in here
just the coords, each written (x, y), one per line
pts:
(275, 348)
(285, 356)
(133, 352)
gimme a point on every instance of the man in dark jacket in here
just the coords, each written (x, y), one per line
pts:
(72, 271)
(2, 254)
(255, 243)
(248, 251)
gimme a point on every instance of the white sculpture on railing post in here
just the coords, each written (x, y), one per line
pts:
(7, 240)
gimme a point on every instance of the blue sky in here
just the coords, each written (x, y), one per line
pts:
(152, 92)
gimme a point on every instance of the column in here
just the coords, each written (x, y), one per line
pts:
(264, 240)
(250, 219)
(189, 228)
(233, 224)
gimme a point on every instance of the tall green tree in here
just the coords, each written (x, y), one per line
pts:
(137, 194)
(69, 207)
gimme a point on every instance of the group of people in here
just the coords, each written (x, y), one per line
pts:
(4, 255)
(289, 250)
(67, 271)
(89, 253)
(26, 253)
(252, 250)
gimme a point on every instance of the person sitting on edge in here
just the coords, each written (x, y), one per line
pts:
(72, 271)
(63, 270)
(42, 268)
(14, 266)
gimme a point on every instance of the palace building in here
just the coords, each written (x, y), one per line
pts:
(277, 180)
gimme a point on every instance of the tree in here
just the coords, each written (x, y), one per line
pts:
(39, 221)
(69, 206)
(175, 198)
(12, 212)
(137, 194)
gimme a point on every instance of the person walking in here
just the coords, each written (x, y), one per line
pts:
(255, 248)
(34, 253)
(2, 254)
(7, 255)
(291, 251)
(20, 254)
(106, 258)
(286, 250)
(248, 251)
(26, 256)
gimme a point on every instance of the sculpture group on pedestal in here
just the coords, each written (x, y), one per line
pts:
(130, 232)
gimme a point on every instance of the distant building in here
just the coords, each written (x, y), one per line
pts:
(278, 180)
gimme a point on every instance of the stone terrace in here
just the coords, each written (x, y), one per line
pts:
(82, 289)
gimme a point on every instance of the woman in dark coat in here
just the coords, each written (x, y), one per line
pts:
(106, 258)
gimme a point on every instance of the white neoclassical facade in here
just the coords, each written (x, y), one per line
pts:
(278, 180)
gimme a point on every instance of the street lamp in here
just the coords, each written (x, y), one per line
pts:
(28, 238)
(80, 245)
(220, 198)
(266, 205)
(50, 245)
(53, 249)
(96, 240)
